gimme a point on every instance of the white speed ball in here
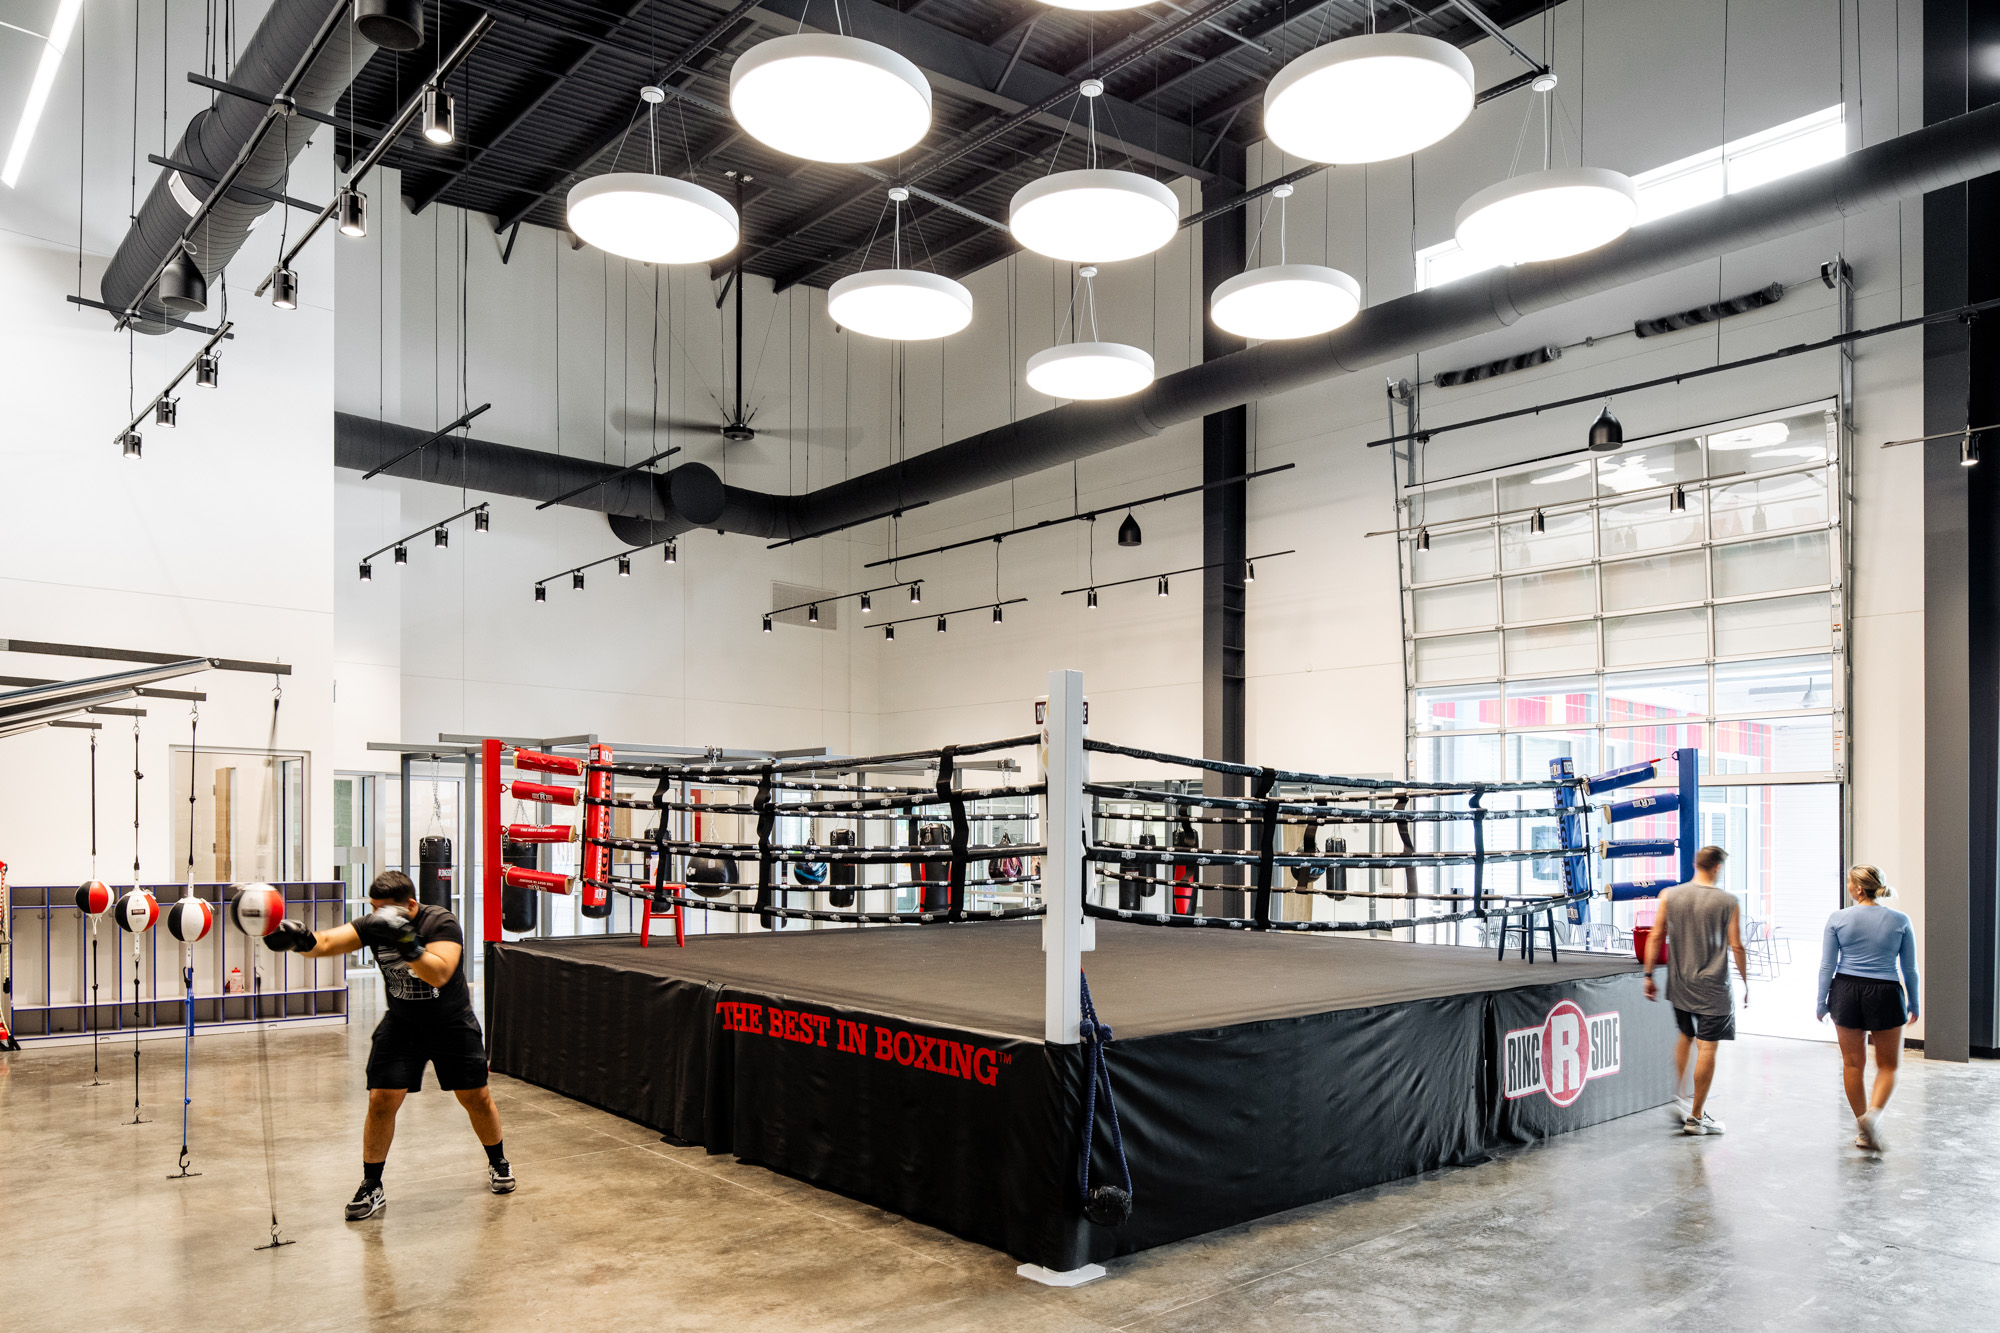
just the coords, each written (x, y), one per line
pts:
(257, 909)
(137, 912)
(190, 920)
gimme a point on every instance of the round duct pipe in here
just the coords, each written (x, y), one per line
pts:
(393, 25)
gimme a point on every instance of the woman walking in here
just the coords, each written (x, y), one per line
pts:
(1858, 987)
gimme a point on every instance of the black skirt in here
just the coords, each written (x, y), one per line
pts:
(1866, 1003)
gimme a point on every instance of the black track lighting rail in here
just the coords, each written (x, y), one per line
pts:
(282, 103)
(480, 27)
(427, 441)
(169, 321)
(428, 527)
(625, 554)
(602, 481)
(897, 512)
(1957, 314)
(1447, 526)
(189, 169)
(1170, 573)
(1085, 516)
(174, 383)
(841, 597)
(360, 129)
(941, 615)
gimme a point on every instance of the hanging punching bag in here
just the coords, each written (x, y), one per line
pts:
(434, 871)
(841, 875)
(520, 909)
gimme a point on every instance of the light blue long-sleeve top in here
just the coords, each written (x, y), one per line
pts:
(1869, 940)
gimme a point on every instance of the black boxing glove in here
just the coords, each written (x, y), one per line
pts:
(291, 937)
(389, 929)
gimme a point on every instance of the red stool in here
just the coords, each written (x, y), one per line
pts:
(647, 916)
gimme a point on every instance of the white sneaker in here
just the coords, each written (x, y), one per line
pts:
(1680, 1109)
(1706, 1124)
(1871, 1131)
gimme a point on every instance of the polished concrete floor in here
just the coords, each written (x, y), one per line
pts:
(1780, 1224)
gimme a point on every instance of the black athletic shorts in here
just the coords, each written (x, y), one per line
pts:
(1706, 1027)
(401, 1048)
(1867, 1003)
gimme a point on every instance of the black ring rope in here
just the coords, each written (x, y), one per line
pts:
(793, 853)
(1338, 895)
(807, 808)
(753, 769)
(972, 916)
(1528, 907)
(1117, 854)
(1313, 812)
(1326, 780)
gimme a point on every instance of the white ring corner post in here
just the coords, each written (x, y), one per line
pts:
(1066, 933)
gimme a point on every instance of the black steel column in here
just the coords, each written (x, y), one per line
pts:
(1224, 453)
(1961, 568)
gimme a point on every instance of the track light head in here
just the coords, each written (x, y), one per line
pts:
(867, 604)
(207, 371)
(996, 615)
(767, 624)
(1677, 501)
(541, 593)
(1090, 600)
(440, 116)
(481, 520)
(130, 443)
(166, 413)
(1423, 539)
(353, 212)
(624, 566)
(1161, 591)
(673, 552)
(940, 625)
(1606, 434)
(440, 535)
(1968, 450)
(812, 614)
(402, 554)
(1537, 523)
(367, 572)
(916, 593)
(889, 633)
(576, 579)
(1249, 571)
(284, 288)
(1128, 531)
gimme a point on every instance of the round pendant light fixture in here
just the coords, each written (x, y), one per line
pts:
(1088, 370)
(1094, 215)
(1095, 6)
(1369, 98)
(828, 97)
(1547, 215)
(1285, 300)
(649, 217)
(897, 303)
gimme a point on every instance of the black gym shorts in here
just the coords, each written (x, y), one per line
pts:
(1705, 1027)
(1868, 1004)
(401, 1048)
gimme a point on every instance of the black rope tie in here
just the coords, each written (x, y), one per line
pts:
(1267, 847)
(1478, 852)
(767, 860)
(1106, 1205)
(961, 830)
(658, 902)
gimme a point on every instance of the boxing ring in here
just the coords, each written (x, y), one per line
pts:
(919, 1034)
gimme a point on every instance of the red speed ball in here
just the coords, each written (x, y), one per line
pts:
(190, 919)
(257, 909)
(137, 912)
(94, 898)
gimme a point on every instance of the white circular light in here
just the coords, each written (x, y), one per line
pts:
(830, 98)
(1089, 370)
(1547, 215)
(1285, 301)
(900, 304)
(1095, 216)
(1369, 98)
(1095, 6)
(657, 219)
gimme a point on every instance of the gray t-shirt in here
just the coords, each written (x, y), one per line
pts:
(1697, 918)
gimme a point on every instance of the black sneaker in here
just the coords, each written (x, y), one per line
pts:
(367, 1201)
(500, 1179)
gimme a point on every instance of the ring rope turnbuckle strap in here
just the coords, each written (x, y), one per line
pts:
(1107, 1205)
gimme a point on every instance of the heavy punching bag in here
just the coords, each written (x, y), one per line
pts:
(434, 880)
(520, 909)
(841, 876)
(935, 875)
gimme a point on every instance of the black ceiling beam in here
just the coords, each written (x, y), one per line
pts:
(1272, 23)
(969, 69)
(428, 195)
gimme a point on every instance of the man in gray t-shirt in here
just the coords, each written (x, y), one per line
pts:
(1698, 928)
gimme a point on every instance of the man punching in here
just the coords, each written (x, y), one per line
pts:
(421, 954)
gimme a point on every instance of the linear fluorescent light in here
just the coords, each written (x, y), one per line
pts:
(38, 92)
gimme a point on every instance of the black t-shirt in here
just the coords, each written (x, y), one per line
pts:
(409, 995)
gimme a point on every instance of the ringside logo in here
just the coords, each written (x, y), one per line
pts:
(1561, 1055)
(939, 1055)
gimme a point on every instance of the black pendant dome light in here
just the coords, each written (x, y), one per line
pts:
(1128, 531)
(1606, 434)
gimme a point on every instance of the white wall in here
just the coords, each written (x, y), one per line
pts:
(218, 543)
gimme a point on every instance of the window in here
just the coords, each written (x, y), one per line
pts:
(1631, 626)
(1740, 164)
